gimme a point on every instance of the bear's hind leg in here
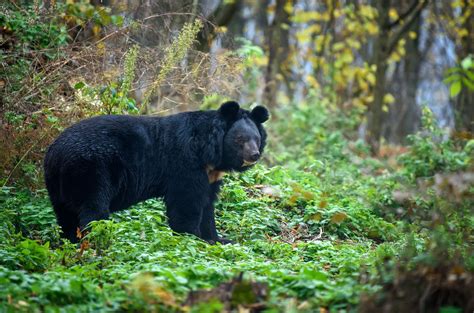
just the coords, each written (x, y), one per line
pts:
(68, 221)
(95, 208)
(92, 197)
(92, 213)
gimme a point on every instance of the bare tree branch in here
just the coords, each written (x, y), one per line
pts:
(404, 15)
(221, 16)
(400, 32)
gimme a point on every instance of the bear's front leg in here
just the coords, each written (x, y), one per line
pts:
(208, 223)
(185, 200)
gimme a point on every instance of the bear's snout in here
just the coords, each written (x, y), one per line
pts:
(251, 153)
(254, 157)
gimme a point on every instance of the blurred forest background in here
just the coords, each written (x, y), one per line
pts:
(386, 65)
(382, 59)
(366, 198)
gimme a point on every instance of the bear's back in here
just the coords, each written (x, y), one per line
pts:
(99, 137)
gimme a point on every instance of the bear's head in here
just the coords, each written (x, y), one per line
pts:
(245, 137)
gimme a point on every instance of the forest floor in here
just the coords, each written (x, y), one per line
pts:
(306, 256)
(313, 234)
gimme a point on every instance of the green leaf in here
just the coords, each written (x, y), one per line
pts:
(117, 20)
(451, 78)
(455, 88)
(79, 85)
(469, 84)
(452, 70)
(450, 309)
(469, 74)
(467, 63)
(105, 18)
(469, 145)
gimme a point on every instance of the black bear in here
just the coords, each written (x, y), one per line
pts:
(108, 163)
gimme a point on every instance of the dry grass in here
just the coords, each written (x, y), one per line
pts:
(42, 100)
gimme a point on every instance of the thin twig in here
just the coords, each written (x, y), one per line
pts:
(22, 158)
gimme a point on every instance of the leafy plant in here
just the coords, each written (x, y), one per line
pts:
(430, 152)
(114, 98)
(461, 75)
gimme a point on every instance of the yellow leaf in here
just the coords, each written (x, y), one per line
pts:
(96, 30)
(316, 217)
(296, 187)
(316, 28)
(456, 4)
(370, 78)
(312, 81)
(358, 103)
(319, 42)
(371, 28)
(347, 57)
(393, 14)
(395, 57)
(362, 84)
(348, 72)
(325, 17)
(304, 17)
(351, 27)
(221, 29)
(293, 199)
(385, 108)
(288, 7)
(260, 61)
(338, 46)
(463, 32)
(308, 195)
(100, 48)
(367, 11)
(388, 98)
(306, 34)
(354, 43)
(271, 8)
(412, 35)
(338, 217)
(151, 291)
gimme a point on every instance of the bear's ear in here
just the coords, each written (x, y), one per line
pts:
(229, 110)
(260, 114)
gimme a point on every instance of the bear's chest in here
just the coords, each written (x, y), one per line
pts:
(214, 175)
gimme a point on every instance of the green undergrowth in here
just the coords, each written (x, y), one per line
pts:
(295, 230)
(321, 223)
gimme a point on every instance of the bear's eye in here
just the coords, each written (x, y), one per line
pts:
(240, 139)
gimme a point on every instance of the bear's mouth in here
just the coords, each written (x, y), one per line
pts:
(248, 163)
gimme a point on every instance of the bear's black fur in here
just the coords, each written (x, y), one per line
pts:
(108, 163)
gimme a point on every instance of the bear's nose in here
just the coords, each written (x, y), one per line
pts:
(254, 157)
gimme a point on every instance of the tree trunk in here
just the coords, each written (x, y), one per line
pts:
(222, 16)
(404, 115)
(464, 103)
(388, 37)
(375, 112)
(278, 52)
